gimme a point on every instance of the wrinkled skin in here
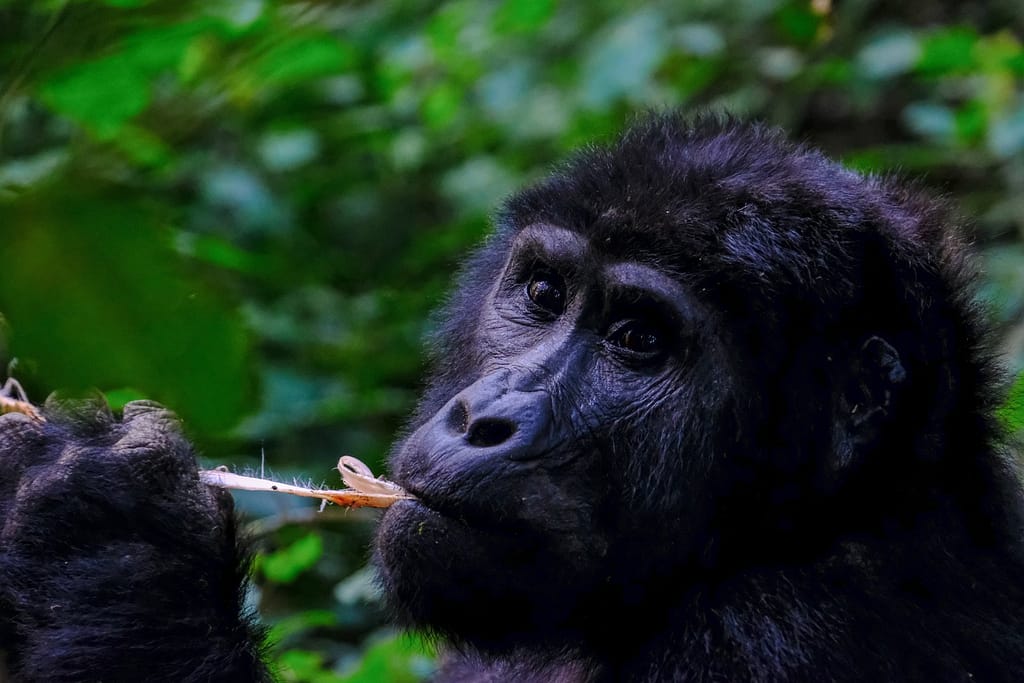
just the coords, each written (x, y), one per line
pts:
(705, 407)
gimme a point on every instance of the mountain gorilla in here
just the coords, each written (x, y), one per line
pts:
(705, 407)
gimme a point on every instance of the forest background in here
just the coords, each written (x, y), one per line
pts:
(246, 209)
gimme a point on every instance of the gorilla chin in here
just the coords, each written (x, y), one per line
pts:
(488, 593)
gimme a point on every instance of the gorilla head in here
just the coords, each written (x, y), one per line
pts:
(697, 355)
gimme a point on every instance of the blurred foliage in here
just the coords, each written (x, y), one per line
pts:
(246, 208)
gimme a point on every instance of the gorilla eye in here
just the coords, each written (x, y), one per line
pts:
(547, 291)
(638, 337)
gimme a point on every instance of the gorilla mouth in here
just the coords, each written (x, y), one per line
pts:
(417, 498)
(454, 508)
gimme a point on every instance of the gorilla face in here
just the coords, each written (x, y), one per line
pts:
(667, 363)
(541, 468)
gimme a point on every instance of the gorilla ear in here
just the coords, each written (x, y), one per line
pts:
(876, 375)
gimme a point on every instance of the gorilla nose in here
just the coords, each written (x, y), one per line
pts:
(491, 414)
(489, 431)
(481, 431)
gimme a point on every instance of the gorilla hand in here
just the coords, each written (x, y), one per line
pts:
(113, 556)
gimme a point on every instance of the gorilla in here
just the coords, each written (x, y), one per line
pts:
(706, 406)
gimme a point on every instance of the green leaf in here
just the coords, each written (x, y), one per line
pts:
(107, 92)
(523, 16)
(96, 296)
(971, 122)
(163, 48)
(404, 658)
(303, 59)
(442, 104)
(305, 666)
(117, 398)
(218, 251)
(295, 624)
(1011, 413)
(1016, 64)
(833, 71)
(103, 94)
(285, 565)
(799, 23)
(895, 156)
(948, 51)
(139, 145)
(445, 25)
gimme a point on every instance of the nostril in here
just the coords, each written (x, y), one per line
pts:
(489, 431)
(458, 418)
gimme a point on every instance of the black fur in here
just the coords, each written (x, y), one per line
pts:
(705, 407)
(116, 564)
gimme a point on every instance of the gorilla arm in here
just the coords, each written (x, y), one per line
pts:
(115, 560)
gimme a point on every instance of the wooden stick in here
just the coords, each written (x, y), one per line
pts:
(366, 491)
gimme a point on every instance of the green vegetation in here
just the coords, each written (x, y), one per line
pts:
(245, 209)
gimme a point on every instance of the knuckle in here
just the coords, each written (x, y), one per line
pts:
(149, 428)
(147, 409)
(86, 417)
